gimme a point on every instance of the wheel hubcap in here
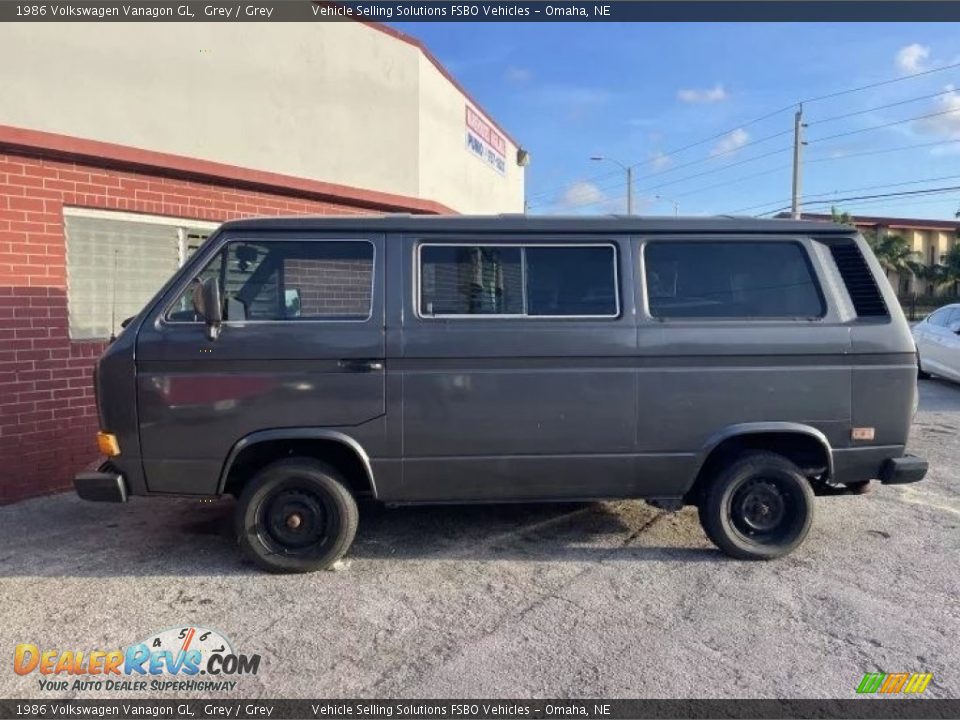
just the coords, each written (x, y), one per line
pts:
(295, 519)
(759, 509)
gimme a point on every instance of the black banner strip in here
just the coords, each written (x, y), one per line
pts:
(506, 11)
(867, 708)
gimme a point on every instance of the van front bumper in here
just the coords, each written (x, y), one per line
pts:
(903, 470)
(103, 484)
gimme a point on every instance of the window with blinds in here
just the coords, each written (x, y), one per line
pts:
(116, 264)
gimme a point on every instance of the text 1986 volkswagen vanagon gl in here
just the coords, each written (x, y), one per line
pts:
(741, 366)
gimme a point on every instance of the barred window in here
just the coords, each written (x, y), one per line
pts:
(117, 261)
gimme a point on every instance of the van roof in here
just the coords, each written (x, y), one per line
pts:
(633, 224)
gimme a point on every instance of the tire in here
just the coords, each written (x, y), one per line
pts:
(295, 515)
(921, 375)
(760, 507)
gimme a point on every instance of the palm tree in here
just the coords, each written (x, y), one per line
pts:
(841, 218)
(948, 271)
(894, 253)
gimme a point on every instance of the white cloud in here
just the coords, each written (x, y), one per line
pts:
(706, 95)
(580, 194)
(518, 75)
(574, 102)
(947, 125)
(912, 58)
(731, 143)
(660, 161)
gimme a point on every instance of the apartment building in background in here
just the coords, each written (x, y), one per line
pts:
(930, 240)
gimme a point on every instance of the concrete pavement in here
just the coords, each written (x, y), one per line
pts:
(593, 600)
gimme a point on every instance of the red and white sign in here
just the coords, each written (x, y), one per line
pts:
(485, 142)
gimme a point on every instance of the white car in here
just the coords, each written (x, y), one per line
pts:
(938, 343)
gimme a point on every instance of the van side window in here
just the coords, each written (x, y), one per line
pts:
(519, 281)
(182, 309)
(731, 280)
(294, 280)
(471, 280)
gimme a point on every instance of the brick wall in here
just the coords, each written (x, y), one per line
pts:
(331, 286)
(47, 414)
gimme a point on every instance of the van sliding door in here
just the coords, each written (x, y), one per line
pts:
(517, 369)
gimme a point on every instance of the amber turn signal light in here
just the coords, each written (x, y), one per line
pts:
(107, 442)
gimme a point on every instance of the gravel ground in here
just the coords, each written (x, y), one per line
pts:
(593, 600)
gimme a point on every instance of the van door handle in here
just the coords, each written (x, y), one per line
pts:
(360, 365)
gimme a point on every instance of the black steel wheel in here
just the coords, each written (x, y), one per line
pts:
(758, 508)
(296, 515)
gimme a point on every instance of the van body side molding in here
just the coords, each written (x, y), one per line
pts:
(303, 433)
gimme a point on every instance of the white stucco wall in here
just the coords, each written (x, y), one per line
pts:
(337, 102)
(445, 160)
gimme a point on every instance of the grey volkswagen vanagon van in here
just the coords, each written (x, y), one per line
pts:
(742, 366)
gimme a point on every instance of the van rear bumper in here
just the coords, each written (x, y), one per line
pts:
(887, 463)
(903, 470)
(104, 484)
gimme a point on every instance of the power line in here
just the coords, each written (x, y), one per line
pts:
(884, 125)
(853, 189)
(882, 107)
(912, 76)
(693, 163)
(869, 204)
(659, 157)
(740, 179)
(691, 177)
(884, 151)
(836, 201)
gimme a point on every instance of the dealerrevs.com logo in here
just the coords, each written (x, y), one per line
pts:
(178, 659)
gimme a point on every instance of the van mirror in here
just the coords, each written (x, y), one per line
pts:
(209, 305)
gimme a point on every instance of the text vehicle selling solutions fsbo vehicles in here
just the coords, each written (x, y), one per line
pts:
(741, 366)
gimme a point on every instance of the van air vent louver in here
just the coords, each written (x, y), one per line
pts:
(866, 297)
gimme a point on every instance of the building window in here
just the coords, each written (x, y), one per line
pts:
(117, 261)
(518, 281)
(720, 280)
(285, 280)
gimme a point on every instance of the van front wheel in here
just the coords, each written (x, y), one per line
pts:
(760, 507)
(294, 516)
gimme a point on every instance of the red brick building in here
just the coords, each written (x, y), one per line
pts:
(108, 183)
(47, 414)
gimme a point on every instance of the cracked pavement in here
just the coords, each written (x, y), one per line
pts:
(610, 599)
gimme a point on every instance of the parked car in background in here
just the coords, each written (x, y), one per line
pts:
(938, 343)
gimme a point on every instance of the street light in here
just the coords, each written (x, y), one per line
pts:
(676, 205)
(629, 171)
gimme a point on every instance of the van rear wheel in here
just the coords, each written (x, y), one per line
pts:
(294, 516)
(760, 507)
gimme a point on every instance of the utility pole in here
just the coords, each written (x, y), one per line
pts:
(676, 205)
(629, 171)
(798, 144)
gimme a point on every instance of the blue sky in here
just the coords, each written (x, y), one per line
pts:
(635, 92)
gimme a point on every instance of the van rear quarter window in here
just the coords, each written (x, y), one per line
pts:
(740, 280)
(519, 281)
